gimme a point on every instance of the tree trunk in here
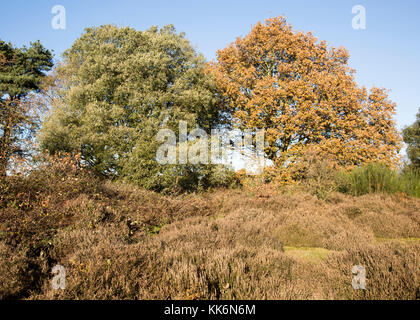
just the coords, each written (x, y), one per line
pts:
(4, 151)
(5, 142)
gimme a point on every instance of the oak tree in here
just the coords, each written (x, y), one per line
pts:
(303, 92)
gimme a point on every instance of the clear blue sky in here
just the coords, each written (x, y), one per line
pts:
(386, 54)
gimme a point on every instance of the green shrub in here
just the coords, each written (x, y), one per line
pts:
(410, 181)
(372, 178)
(378, 178)
(175, 179)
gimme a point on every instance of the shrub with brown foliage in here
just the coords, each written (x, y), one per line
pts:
(117, 241)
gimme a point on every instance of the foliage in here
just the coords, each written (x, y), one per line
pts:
(379, 178)
(317, 174)
(115, 89)
(22, 71)
(118, 241)
(302, 93)
(412, 138)
(374, 177)
(410, 181)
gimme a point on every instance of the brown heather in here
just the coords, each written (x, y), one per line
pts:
(120, 242)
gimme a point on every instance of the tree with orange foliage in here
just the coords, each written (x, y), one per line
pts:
(303, 93)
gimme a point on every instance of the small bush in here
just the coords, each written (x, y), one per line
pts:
(315, 174)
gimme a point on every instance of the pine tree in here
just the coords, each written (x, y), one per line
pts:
(21, 73)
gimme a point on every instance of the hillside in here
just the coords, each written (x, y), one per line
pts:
(121, 242)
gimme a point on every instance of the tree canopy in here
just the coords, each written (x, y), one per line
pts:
(302, 92)
(412, 138)
(115, 88)
(21, 73)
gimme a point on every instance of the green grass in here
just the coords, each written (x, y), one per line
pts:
(410, 182)
(155, 230)
(379, 178)
(313, 255)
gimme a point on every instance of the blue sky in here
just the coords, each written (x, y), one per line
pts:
(385, 54)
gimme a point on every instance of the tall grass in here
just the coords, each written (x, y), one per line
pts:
(410, 182)
(379, 178)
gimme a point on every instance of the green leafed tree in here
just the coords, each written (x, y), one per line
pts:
(21, 74)
(412, 139)
(115, 89)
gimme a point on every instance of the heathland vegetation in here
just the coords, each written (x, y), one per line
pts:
(86, 191)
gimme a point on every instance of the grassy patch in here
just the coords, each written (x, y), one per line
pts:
(314, 255)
